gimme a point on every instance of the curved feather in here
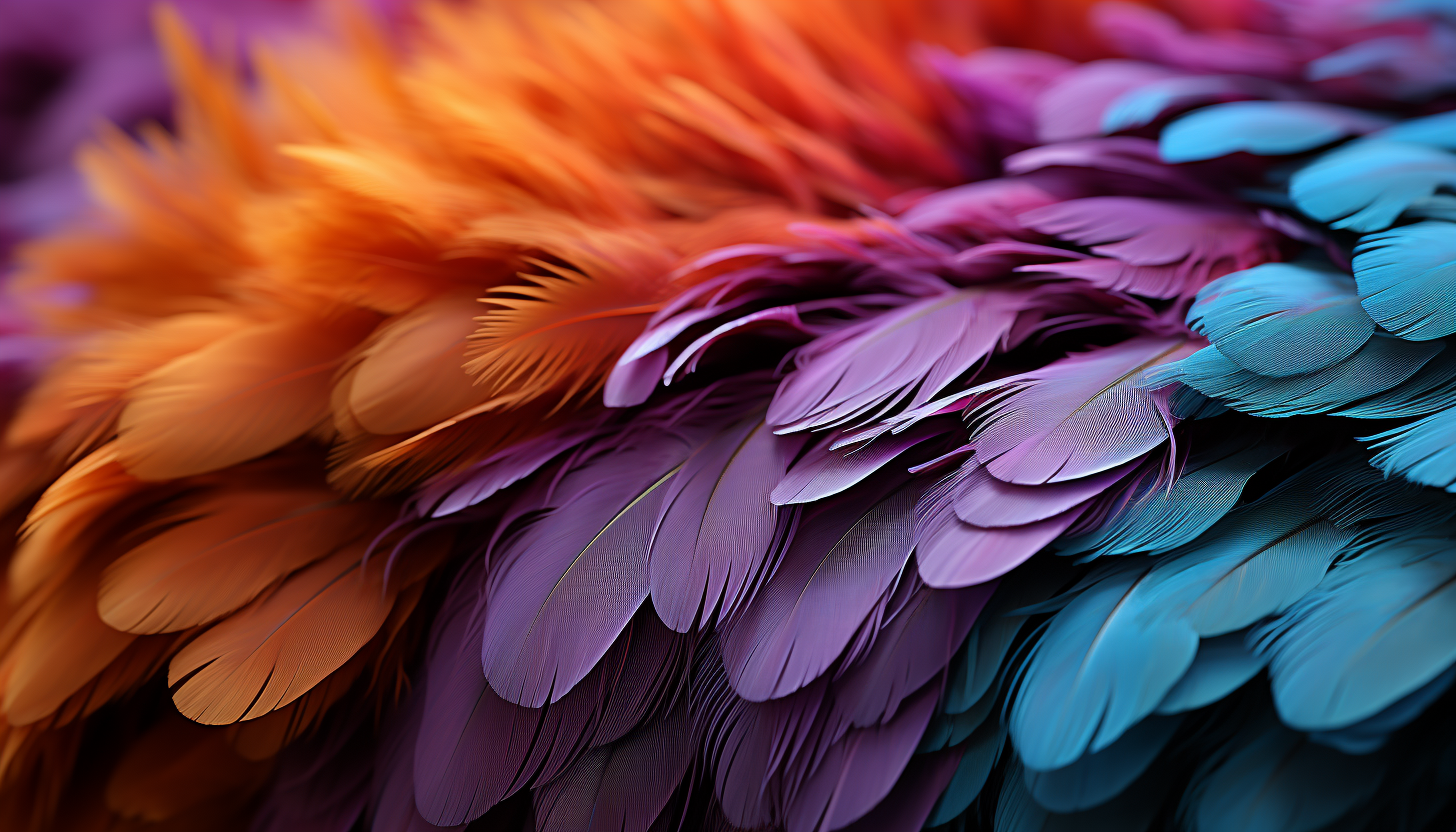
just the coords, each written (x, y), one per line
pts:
(1422, 451)
(1406, 276)
(568, 584)
(1366, 185)
(1167, 248)
(826, 468)
(909, 805)
(1078, 416)
(843, 557)
(1282, 319)
(238, 398)
(1431, 389)
(717, 525)
(1097, 778)
(276, 649)
(1265, 128)
(230, 549)
(909, 650)
(1156, 519)
(900, 359)
(985, 501)
(1072, 106)
(1223, 664)
(1378, 628)
(1146, 103)
(1380, 365)
(858, 771)
(979, 754)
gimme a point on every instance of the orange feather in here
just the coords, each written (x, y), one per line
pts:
(281, 645)
(230, 548)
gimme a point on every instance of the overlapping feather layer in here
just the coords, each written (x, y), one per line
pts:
(802, 415)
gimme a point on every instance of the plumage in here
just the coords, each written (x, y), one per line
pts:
(1049, 425)
(1266, 128)
(787, 415)
(1402, 273)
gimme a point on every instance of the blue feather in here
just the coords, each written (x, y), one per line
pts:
(1097, 778)
(1142, 105)
(1185, 403)
(1407, 276)
(1365, 185)
(1434, 207)
(1428, 391)
(1158, 519)
(1104, 663)
(1377, 628)
(1222, 666)
(1423, 451)
(1271, 779)
(1266, 128)
(1282, 319)
(981, 660)
(1370, 734)
(1380, 365)
(1437, 131)
(980, 755)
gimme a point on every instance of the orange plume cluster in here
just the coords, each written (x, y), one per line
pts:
(374, 266)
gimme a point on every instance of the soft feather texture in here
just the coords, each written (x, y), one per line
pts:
(776, 415)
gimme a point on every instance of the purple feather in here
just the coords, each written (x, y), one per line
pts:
(910, 650)
(569, 583)
(717, 524)
(1072, 107)
(858, 771)
(1078, 416)
(393, 806)
(488, 477)
(982, 500)
(844, 556)
(1160, 248)
(908, 805)
(749, 744)
(825, 470)
(1004, 85)
(1135, 162)
(650, 673)
(621, 787)
(1153, 36)
(987, 210)
(953, 553)
(902, 358)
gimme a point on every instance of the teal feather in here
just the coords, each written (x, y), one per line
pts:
(1407, 277)
(1367, 184)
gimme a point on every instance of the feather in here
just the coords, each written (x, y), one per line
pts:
(908, 806)
(1271, 779)
(568, 584)
(911, 648)
(1421, 451)
(474, 748)
(981, 662)
(1371, 733)
(1078, 416)
(1133, 811)
(858, 771)
(845, 554)
(1155, 520)
(1434, 130)
(225, 552)
(827, 468)
(1148, 102)
(409, 374)
(1380, 365)
(282, 644)
(1097, 778)
(953, 553)
(984, 501)
(717, 525)
(621, 787)
(447, 495)
(238, 398)
(62, 648)
(1366, 185)
(1431, 389)
(1281, 319)
(1223, 664)
(1104, 663)
(1167, 248)
(1264, 128)
(1405, 276)
(986, 210)
(979, 755)
(902, 358)
(1072, 106)
(1124, 157)
(1375, 630)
